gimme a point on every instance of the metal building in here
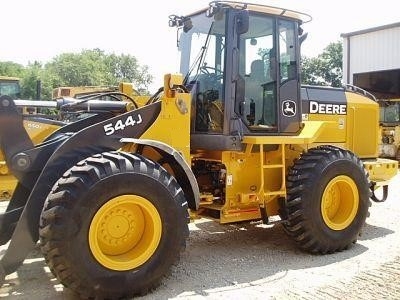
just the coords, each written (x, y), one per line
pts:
(371, 60)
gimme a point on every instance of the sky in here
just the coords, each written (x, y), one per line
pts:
(38, 30)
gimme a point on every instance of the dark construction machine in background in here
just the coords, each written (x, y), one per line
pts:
(236, 139)
(9, 86)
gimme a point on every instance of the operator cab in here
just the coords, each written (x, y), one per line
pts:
(241, 65)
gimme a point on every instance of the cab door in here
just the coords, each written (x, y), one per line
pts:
(269, 64)
(289, 106)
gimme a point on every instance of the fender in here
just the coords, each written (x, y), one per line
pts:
(183, 172)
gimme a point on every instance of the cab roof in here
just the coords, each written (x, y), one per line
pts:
(9, 78)
(265, 9)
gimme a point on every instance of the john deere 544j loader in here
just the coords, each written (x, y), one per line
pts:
(236, 139)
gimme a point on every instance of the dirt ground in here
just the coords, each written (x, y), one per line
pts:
(248, 261)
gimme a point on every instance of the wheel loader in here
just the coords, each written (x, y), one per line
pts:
(10, 86)
(234, 137)
(389, 128)
(123, 88)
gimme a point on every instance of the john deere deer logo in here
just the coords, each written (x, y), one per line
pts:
(289, 108)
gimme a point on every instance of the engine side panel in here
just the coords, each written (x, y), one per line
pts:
(353, 119)
(363, 125)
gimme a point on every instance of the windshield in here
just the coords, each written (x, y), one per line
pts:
(202, 47)
(203, 55)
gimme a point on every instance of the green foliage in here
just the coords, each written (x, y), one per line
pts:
(326, 68)
(127, 69)
(29, 80)
(11, 69)
(76, 69)
(87, 68)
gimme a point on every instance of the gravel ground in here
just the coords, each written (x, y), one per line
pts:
(251, 261)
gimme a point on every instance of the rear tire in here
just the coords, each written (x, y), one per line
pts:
(327, 199)
(113, 225)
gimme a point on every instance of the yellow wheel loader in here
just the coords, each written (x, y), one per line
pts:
(109, 195)
(389, 128)
(104, 92)
(10, 86)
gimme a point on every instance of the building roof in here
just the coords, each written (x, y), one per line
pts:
(373, 29)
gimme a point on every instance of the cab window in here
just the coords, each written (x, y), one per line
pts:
(258, 68)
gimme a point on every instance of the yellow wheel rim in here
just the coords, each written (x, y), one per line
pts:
(125, 232)
(340, 202)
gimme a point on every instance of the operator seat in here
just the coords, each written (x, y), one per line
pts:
(257, 71)
(254, 88)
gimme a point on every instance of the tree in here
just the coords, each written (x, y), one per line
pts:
(29, 80)
(89, 67)
(76, 69)
(126, 68)
(326, 68)
(11, 69)
(95, 67)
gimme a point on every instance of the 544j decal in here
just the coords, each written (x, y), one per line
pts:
(110, 128)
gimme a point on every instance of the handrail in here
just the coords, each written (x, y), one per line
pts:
(359, 90)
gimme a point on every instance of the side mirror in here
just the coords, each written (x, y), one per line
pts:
(303, 37)
(242, 22)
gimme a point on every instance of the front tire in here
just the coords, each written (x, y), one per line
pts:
(113, 225)
(327, 199)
